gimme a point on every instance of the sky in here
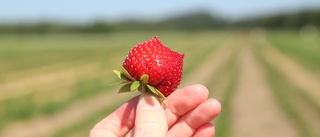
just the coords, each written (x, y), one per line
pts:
(84, 11)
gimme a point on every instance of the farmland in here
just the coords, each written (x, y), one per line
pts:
(56, 85)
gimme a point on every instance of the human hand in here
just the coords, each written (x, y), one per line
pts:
(189, 114)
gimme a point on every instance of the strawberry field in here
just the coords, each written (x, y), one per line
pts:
(56, 85)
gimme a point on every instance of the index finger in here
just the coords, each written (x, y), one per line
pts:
(184, 100)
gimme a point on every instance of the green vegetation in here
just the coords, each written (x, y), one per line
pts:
(55, 71)
(286, 95)
(44, 75)
(305, 51)
(82, 128)
(296, 103)
(229, 71)
(209, 43)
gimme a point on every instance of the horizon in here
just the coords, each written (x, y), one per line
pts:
(84, 12)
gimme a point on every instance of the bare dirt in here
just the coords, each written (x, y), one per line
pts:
(304, 80)
(201, 74)
(256, 113)
(295, 73)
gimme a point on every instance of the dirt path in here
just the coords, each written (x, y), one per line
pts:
(301, 79)
(295, 73)
(256, 113)
(203, 73)
(218, 91)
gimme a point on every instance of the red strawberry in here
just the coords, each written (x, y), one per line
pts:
(155, 66)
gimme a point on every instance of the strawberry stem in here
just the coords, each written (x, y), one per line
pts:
(143, 88)
(131, 84)
(159, 95)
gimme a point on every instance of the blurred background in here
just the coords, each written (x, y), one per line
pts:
(260, 59)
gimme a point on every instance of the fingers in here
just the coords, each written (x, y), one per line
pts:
(181, 102)
(184, 100)
(206, 130)
(189, 123)
(117, 123)
(150, 118)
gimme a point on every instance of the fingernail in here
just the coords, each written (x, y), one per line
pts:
(216, 104)
(148, 101)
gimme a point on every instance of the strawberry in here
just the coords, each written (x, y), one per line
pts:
(151, 67)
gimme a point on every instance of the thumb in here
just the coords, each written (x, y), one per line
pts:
(150, 117)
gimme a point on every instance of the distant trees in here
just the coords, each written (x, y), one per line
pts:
(294, 21)
(195, 21)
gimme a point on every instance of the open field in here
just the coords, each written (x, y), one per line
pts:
(56, 85)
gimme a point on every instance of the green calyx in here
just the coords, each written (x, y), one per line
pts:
(131, 84)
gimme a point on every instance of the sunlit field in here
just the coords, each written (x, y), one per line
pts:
(57, 85)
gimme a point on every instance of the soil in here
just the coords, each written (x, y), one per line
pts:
(256, 113)
(295, 73)
(304, 80)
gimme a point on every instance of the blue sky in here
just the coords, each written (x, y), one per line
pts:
(115, 10)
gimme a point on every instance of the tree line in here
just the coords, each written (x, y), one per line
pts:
(195, 21)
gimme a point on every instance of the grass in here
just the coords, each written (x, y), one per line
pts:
(291, 100)
(16, 109)
(26, 57)
(305, 52)
(196, 55)
(28, 106)
(228, 71)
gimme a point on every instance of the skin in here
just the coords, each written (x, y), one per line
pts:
(189, 114)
